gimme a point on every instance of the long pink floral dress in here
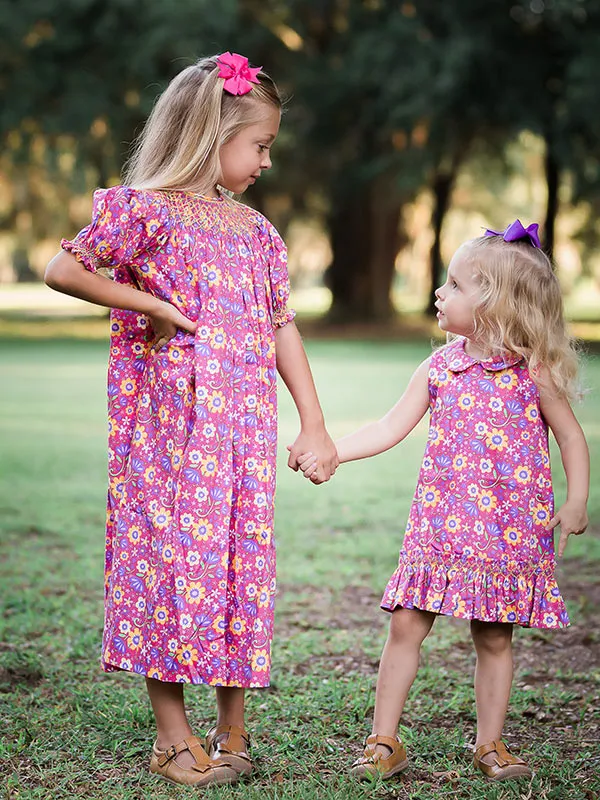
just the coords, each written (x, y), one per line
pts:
(190, 557)
(476, 544)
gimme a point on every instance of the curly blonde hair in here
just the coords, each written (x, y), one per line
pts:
(191, 120)
(521, 310)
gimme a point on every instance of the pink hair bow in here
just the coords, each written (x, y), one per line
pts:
(239, 75)
(516, 232)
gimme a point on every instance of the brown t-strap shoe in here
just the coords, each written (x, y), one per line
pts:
(230, 743)
(373, 762)
(506, 765)
(203, 772)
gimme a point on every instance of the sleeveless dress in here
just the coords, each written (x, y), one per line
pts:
(476, 544)
(190, 556)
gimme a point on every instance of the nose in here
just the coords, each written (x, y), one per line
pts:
(438, 292)
(266, 161)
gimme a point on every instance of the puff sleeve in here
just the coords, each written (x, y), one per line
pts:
(121, 229)
(278, 278)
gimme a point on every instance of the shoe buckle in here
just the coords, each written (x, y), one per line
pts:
(167, 755)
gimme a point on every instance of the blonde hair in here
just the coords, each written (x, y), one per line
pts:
(521, 310)
(191, 120)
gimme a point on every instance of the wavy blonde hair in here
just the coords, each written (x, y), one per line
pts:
(191, 120)
(521, 310)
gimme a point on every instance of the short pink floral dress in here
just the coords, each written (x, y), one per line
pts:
(190, 558)
(476, 544)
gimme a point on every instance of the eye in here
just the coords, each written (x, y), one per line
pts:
(263, 147)
(454, 284)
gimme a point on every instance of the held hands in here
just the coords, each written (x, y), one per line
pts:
(315, 455)
(573, 519)
(166, 321)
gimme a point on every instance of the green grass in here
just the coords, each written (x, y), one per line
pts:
(70, 731)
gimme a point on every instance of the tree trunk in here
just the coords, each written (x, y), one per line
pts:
(443, 184)
(365, 241)
(551, 168)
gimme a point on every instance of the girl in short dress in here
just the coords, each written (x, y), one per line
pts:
(478, 542)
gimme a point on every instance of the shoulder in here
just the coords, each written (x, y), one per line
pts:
(126, 201)
(264, 228)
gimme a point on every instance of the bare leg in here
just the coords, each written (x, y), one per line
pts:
(493, 678)
(230, 705)
(398, 667)
(171, 720)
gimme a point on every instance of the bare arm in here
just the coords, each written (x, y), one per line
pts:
(294, 369)
(65, 274)
(394, 426)
(572, 515)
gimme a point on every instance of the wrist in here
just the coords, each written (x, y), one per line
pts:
(312, 423)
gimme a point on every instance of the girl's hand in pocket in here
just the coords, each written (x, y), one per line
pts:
(166, 321)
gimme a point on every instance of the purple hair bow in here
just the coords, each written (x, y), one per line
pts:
(515, 232)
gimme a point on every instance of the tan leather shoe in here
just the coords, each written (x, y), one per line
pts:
(505, 765)
(230, 743)
(204, 770)
(373, 762)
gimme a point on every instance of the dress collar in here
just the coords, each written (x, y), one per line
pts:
(458, 360)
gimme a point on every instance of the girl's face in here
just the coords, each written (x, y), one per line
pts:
(457, 298)
(247, 154)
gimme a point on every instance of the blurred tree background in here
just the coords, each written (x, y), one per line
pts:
(410, 124)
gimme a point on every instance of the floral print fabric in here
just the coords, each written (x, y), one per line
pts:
(476, 544)
(190, 558)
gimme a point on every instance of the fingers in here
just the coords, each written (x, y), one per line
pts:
(553, 523)
(160, 342)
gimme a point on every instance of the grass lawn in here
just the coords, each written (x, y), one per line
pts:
(70, 731)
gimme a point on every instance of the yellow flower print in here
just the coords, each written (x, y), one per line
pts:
(431, 496)
(195, 593)
(466, 401)
(175, 355)
(486, 465)
(237, 626)
(512, 536)
(161, 615)
(214, 276)
(496, 439)
(540, 515)
(156, 674)
(506, 379)
(168, 554)
(523, 474)
(163, 518)
(116, 326)
(218, 338)
(237, 564)
(436, 435)
(264, 472)
(532, 412)
(163, 414)
(487, 501)
(264, 597)
(264, 535)
(202, 530)
(134, 534)
(209, 466)
(460, 606)
(187, 655)
(260, 660)
(216, 402)
(134, 639)
(452, 524)
(219, 624)
(459, 463)
(128, 387)
(150, 475)
(140, 435)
